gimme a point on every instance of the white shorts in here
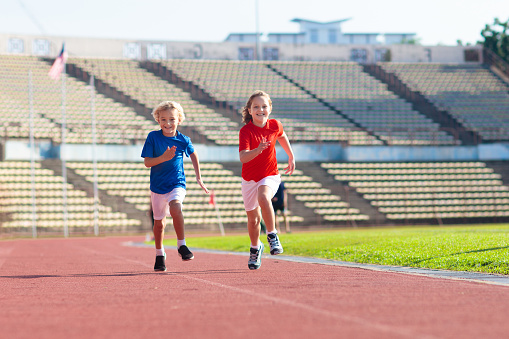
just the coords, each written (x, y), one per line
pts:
(161, 202)
(250, 190)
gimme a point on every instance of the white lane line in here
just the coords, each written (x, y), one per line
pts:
(357, 320)
(4, 254)
(484, 278)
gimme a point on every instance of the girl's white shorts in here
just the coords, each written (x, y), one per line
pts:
(161, 202)
(250, 190)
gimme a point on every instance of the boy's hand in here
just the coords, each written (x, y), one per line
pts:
(291, 167)
(169, 153)
(202, 185)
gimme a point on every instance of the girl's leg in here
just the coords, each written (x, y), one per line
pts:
(178, 218)
(253, 225)
(265, 195)
(159, 232)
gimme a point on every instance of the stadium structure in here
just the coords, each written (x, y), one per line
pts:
(384, 133)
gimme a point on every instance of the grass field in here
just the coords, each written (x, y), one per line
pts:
(476, 248)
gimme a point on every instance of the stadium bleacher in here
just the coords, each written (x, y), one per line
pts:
(366, 101)
(318, 102)
(16, 203)
(432, 190)
(304, 117)
(471, 93)
(111, 116)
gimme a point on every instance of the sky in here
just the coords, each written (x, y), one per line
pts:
(436, 22)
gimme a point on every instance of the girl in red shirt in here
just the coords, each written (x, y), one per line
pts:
(260, 175)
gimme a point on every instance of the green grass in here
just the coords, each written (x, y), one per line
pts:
(476, 248)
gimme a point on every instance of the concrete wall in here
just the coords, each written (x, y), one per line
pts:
(118, 48)
(19, 150)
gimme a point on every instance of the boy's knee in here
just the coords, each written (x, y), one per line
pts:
(175, 208)
(158, 225)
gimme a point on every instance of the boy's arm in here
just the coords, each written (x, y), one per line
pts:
(167, 155)
(196, 165)
(285, 143)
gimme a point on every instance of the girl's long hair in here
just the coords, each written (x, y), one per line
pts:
(246, 117)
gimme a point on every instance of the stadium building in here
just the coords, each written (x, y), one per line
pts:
(384, 132)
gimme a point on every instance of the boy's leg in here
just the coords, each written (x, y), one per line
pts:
(160, 264)
(178, 218)
(178, 225)
(159, 232)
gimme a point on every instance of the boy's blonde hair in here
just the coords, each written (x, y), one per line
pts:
(246, 117)
(166, 106)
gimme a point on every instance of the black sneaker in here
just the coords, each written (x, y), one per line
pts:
(160, 264)
(275, 245)
(255, 257)
(185, 253)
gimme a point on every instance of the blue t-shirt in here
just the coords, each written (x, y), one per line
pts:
(170, 174)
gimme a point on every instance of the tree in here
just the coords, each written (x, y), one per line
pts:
(496, 38)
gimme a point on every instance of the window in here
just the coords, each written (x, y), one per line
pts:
(270, 53)
(156, 51)
(15, 45)
(40, 47)
(132, 50)
(471, 55)
(333, 37)
(382, 54)
(359, 55)
(246, 53)
(313, 35)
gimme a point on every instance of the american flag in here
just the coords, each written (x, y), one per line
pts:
(58, 65)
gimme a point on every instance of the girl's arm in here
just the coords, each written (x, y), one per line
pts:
(167, 155)
(248, 155)
(196, 165)
(285, 143)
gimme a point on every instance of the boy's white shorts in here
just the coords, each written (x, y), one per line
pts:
(161, 202)
(250, 190)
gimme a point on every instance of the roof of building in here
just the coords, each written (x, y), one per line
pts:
(320, 23)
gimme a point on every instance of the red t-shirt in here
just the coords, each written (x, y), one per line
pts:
(265, 164)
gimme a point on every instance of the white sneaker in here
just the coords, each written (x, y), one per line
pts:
(275, 245)
(255, 257)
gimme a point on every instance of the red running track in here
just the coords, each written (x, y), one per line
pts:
(100, 288)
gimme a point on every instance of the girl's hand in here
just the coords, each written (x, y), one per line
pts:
(263, 144)
(202, 185)
(291, 167)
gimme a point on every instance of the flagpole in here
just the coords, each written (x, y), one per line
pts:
(94, 157)
(213, 201)
(32, 152)
(62, 153)
(221, 228)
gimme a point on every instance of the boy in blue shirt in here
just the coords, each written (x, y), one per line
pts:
(164, 154)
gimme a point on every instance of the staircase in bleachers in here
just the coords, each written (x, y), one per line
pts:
(472, 94)
(116, 203)
(313, 199)
(441, 116)
(47, 99)
(16, 204)
(133, 83)
(304, 117)
(366, 101)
